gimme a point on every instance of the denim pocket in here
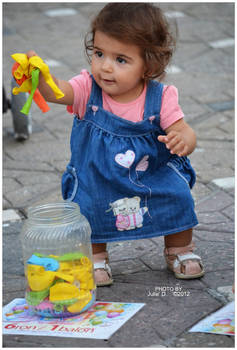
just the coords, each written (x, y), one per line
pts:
(69, 183)
(183, 168)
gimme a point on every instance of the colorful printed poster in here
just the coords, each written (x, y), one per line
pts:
(98, 322)
(220, 322)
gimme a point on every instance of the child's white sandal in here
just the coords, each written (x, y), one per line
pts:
(183, 262)
(102, 270)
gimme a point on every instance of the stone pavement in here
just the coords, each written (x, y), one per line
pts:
(203, 71)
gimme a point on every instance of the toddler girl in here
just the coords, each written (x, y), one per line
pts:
(128, 170)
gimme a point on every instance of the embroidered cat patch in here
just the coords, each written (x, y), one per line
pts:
(128, 213)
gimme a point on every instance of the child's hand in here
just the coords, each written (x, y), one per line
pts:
(31, 53)
(47, 92)
(175, 143)
(180, 138)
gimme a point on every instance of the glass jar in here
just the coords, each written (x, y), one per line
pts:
(57, 253)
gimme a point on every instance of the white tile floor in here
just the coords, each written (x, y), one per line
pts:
(225, 183)
(10, 215)
(60, 12)
(218, 44)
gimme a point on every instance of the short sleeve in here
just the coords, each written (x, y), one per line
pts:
(170, 108)
(81, 85)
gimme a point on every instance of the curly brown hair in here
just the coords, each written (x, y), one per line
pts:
(141, 24)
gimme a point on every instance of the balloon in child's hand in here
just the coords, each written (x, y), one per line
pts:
(20, 78)
(35, 81)
(24, 71)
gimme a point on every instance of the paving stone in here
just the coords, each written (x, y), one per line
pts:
(39, 178)
(190, 298)
(215, 145)
(127, 267)
(184, 82)
(222, 106)
(209, 251)
(188, 51)
(29, 194)
(200, 191)
(157, 346)
(217, 126)
(206, 174)
(220, 200)
(28, 165)
(168, 325)
(12, 294)
(158, 278)
(53, 150)
(89, 11)
(212, 280)
(131, 337)
(124, 250)
(14, 283)
(155, 260)
(200, 340)
(12, 248)
(11, 184)
(60, 166)
(174, 14)
(208, 31)
(25, 341)
(216, 132)
(227, 291)
(172, 69)
(217, 225)
(216, 11)
(28, 179)
(229, 127)
(219, 44)
(210, 234)
(211, 160)
(6, 204)
(53, 63)
(60, 12)
(13, 228)
(209, 63)
(210, 218)
(225, 183)
(229, 212)
(52, 197)
(10, 215)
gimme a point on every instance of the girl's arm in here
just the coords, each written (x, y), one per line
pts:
(47, 92)
(180, 138)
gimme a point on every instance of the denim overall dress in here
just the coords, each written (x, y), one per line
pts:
(126, 182)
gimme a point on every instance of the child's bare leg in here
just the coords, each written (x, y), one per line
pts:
(180, 239)
(103, 276)
(179, 255)
(98, 248)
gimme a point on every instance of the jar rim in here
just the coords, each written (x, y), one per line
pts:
(60, 212)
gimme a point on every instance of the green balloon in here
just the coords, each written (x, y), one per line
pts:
(35, 81)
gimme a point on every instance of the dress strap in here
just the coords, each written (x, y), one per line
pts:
(153, 99)
(96, 94)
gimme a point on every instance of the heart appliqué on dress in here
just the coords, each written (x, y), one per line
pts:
(94, 109)
(152, 118)
(125, 159)
(143, 164)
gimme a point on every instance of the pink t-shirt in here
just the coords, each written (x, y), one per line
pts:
(133, 111)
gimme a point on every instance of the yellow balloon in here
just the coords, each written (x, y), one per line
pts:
(83, 299)
(38, 278)
(26, 67)
(25, 87)
(63, 291)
